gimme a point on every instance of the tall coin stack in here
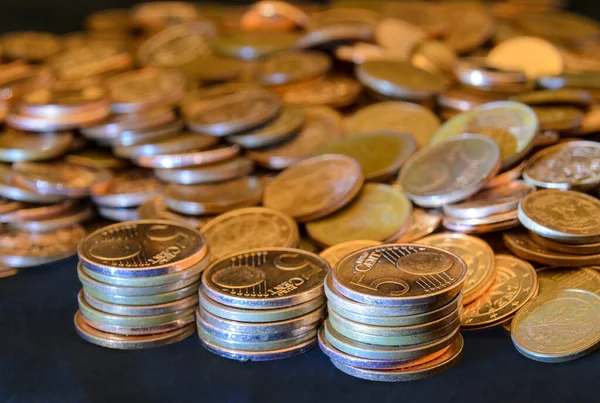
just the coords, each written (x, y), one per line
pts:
(262, 304)
(140, 282)
(394, 312)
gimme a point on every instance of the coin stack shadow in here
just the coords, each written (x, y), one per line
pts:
(273, 318)
(398, 338)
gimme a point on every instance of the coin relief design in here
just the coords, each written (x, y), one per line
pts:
(563, 278)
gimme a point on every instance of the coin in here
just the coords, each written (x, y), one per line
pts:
(156, 208)
(23, 146)
(558, 118)
(378, 213)
(144, 305)
(24, 249)
(506, 177)
(565, 166)
(249, 228)
(553, 279)
(582, 249)
(525, 53)
(315, 187)
(497, 200)
(498, 222)
(142, 248)
(335, 92)
(121, 342)
(7, 272)
(138, 121)
(11, 189)
(478, 256)
(380, 153)
(95, 158)
(137, 137)
(398, 37)
(141, 330)
(337, 252)
(90, 60)
(476, 72)
(76, 214)
(118, 214)
(463, 99)
(421, 223)
(399, 275)
(30, 46)
(9, 206)
(265, 278)
(565, 96)
(214, 198)
(220, 171)
(115, 19)
(558, 327)
(523, 246)
(180, 143)
(515, 283)
(158, 15)
(518, 119)
(438, 174)
(559, 26)
(128, 189)
(189, 158)
(334, 33)
(565, 216)
(253, 45)
(292, 66)
(546, 138)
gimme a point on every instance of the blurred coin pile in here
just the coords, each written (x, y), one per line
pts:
(140, 284)
(353, 125)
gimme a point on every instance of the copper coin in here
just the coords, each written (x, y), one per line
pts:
(128, 189)
(420, 223)
(77, 214)
(30, 46)
(506, 177)
(136, 137)
(564, 96)
(156, 208)
(253, 45)
(337, 252)
(12, 189)
(90, 60)
(188, 159)
(335, 33)
(471, 25)
(168, 145)
(292, 66)
(582, 249)
(116, 124)
(217, 172)
(96, 159)
(23, 146)
(158, 15)
(399, 37)
(335, 92)
(17, 211)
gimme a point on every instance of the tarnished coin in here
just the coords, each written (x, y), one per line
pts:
(315, 187)
(189, 158)
(497, 200)
(249, 228)
(420, 223)
(286, 124)
(400, 275)
(60, 179)
(179, 143)
(23, 146)
(25, 249)
(253, 45)
(450, 171)
(478, 256)
(76, 214)
(116, 124)
(526, 248)
(111, 340)
(156, 208)
(573, 165)
(379, 153)
(142, 248)
(265, 278)
(400, 79)
(581, 249)
(535, 56)
(337, 252)
(292, 66)
(515, 118)
(128, 189)
(214, 198)
(220, 171)
(13, 190)
(335, 92)
(379, 213)
(558, 327)
(565, 216)
(515, 283)
(564, 96)
(322, 125)
(30, 46)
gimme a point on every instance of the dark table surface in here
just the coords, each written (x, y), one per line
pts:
(43, 360)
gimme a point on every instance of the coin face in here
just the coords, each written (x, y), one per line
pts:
(526, 53)
(379, 213)
(515, 283)
(337, 252)
(315, 187)
(450, 171)
(559, 326)
(516, 118)
(553, 279)
(567, 216)
(249, 228)
(380, 154)
(565, 166)
(142, 248)
(421, 223)
(476, 253)
(265, 278)
(399, 274)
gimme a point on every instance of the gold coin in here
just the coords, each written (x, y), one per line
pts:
(378, 213)
(515, 283)
(337, 252)
(421, 223)
(559, 26)
(249, 228)
(581, 249)
(553, 279)
(476, 253)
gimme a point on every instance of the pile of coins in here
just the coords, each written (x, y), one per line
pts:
(394, 312)
(262, 304)
(140, 283)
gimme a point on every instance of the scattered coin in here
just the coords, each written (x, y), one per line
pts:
(337, 252)
(525, 54)
(420, 224)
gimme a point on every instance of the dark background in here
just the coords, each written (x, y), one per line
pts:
(43, 360)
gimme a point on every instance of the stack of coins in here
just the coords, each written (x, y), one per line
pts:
(140, 282)
(262, 304)
(394, 312)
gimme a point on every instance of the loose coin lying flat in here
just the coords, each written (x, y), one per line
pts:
(188, 159)
(335, 92)
(96, 159)
(421, 223)
(175, 144)
(515, 283)
(565, 96)
(292, 66)
(128, 189)
(142, 248)
(156, 208)
(565, 216)
(249, 228)
(506, 176)
(535, 56)
(265, 278)
(560, 118)
(315, 187)
(553, 279)
(12, 190)
(558, 327)
(217, 172)
(253, 45)
(478, 256)
(337, 252)
(413, 119)
(378, 213)
(76, 214)
(580, 249)
(23, 146)
(139, 121)
(438, 174)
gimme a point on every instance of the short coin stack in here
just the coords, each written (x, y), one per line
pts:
(394, 312)
(262, 304)
(140, 283)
